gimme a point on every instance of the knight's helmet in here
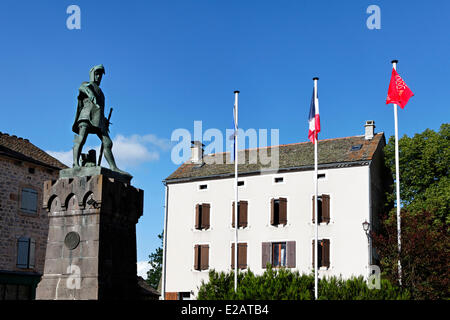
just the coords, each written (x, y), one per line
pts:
(93, 69)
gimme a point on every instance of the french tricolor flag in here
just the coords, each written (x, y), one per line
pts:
(314, 117)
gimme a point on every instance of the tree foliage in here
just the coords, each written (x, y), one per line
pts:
(425, 197)
(284, 284)
(425, 254)
(424, 172)
(156, 258)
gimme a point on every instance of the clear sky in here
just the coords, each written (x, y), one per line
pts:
(169, 63)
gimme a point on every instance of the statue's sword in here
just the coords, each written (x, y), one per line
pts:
(101, 147)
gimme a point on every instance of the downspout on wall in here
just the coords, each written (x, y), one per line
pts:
(166, 211)
(370, 216)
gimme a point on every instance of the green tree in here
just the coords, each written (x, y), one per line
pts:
(424, 172)
(425, 254)
(156, 258)
(425, 198)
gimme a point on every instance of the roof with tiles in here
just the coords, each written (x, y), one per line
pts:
(23, 150)
(338, 152)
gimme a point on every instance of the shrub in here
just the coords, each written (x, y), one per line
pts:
(284, 284)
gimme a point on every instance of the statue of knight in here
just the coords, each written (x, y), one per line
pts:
(90, 118)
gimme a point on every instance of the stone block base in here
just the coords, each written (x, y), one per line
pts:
(91, 247)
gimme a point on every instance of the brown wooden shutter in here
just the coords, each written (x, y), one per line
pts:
(232, 214)
(265, 252)
(245, 255)
(232, 256)
(196, 255)
(313, 209)
(326, 253)
(282, 211)
(197, 216)
(205, 215)
(242, 255)
(272, 211)
(326, 208)
(290, 248)
(243, 214)
(204, 257)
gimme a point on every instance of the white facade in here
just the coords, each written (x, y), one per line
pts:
(349, 189)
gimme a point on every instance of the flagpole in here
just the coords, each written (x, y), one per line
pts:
(316, 257)
(236, 203)
(397, 183)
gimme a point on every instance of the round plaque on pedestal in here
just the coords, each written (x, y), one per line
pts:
(72, 240)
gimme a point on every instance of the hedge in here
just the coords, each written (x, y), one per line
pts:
(284, 284)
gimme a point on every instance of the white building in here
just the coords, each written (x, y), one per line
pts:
(276, 212)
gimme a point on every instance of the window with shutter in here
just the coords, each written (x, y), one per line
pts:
(202, 216)
(319, 209)
(278, 211)
(241, 255)
(323, 251)
(28, 200)
(26, 253)
(242, 214)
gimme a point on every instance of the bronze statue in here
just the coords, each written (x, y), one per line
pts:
(90, 118)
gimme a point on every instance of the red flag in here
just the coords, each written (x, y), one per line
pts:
(398, 92)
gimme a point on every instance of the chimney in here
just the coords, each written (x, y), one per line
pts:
(197, 152)
(370, 129)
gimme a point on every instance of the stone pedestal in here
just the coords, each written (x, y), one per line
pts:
(91, 247)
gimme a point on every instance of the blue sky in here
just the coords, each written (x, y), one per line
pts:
(169, 63)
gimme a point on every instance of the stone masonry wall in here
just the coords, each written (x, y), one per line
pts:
(102, 214)
(14, 223)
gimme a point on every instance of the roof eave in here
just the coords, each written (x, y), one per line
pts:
(270, 171)
(21, 157)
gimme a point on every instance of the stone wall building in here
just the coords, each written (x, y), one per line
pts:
(23, 223)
